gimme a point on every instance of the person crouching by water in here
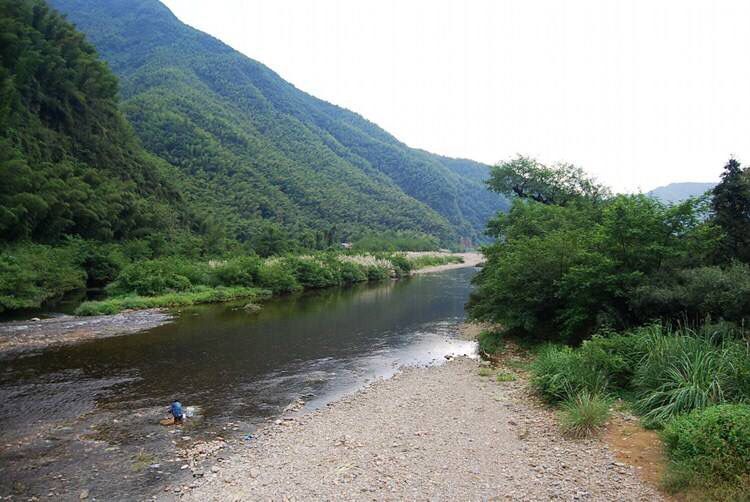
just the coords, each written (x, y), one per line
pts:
(176, 410)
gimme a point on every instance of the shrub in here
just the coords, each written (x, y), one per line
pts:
(401, 264)
(33, 274)
(698, 293)
(154, 277)
(376, 273)
(278, 277)
(311, 272)
(491, 342)
(350, 273)
(241, 271)
(584, 414)
(710, 443)
(685, 371)
(559, 373)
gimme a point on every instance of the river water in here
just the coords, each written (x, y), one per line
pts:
(80, 417)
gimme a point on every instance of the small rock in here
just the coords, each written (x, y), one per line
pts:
(85, 493)
(214, 469)
(254, 473)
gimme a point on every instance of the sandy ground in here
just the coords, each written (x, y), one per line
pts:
(440, 433)
(470, 260)
(22, 336)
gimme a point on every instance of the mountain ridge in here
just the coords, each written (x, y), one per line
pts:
(298, 161)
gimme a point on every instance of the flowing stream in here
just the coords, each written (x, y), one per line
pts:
(85, 417)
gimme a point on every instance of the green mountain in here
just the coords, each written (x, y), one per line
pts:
(69, 162)
(676, 192)
(252, 149)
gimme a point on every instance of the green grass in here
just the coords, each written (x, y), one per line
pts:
(432, 260)
(584, 414)
(505, 377)
(490, 343)
(200, 295)
(484, 371)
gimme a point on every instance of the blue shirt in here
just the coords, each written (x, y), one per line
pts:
(176, 409)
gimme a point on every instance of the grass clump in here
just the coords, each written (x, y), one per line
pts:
(504, 376)
(709, 449)
(485, 371)
(432, 260)
(584, 414)
(179, 299)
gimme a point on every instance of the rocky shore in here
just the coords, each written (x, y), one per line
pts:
(438, 433)
(24, 336)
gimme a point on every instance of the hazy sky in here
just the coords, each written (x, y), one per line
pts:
(639, 93)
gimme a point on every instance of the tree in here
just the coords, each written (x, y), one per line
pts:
(731, 207)
(559, 185)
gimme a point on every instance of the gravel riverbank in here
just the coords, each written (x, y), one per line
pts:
(438, 433)
(23, 336)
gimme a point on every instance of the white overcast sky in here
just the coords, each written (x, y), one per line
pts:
(638, 93)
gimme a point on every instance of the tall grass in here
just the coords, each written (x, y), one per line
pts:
(584, 414)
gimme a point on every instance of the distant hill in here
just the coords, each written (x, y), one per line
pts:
(676, 192)
(254, 150)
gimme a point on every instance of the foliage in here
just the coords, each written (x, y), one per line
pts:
(31, 274)
(276, 276)
(202, 294)
(564, 272)
(240, 271)
(267, 160)
(711, 445)
(155, 277)
(418, 261)
(69, 163)
(490, 342)
(584, 414)
(696, 294)
(395, 241)
(731, 211)
(560, 373)
(562, 184)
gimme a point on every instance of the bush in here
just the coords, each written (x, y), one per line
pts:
(401, 264)
(560, 373)
(684, 371)
(241, 271)
(278, 277)
(376, 273)
(163, 275)
(33, 274)
(584, 414)
(311, 272)
(349, 273)
(491, 342)
(695, 294)
(711, 443)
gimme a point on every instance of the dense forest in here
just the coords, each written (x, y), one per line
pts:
(70, 163)
(633, 299)
(255, 151)
(197, 153)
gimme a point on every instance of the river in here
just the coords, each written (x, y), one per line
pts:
(85, 417)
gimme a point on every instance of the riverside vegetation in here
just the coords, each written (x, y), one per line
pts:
(625, 297)
(172, 282)
(82, 200)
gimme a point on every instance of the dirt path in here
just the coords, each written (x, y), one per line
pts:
(441, 433)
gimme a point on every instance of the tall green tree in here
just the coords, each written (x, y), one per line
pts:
(731, 208)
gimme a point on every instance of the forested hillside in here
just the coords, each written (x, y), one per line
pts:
(69, 162)
(253, 149)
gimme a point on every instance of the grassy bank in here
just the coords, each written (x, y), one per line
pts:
(692, 385)
(174, 282)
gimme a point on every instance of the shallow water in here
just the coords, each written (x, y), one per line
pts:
(100, 401)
